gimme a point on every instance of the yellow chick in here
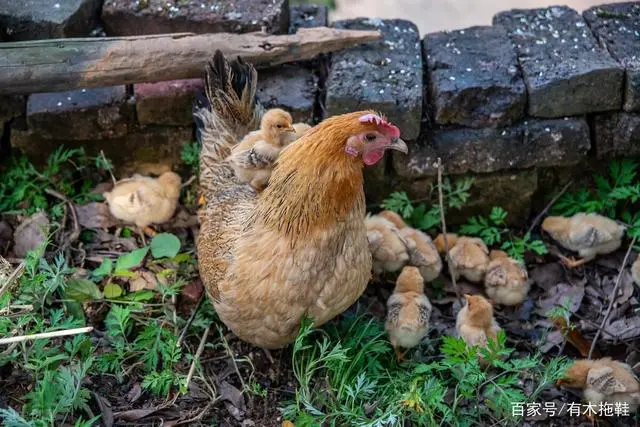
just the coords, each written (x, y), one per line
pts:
(408, 311)
(587, 234)
(393, 218)
(475, 323)
(635, 271)
(422, 253)
(253, 158)
(469, 256)
(143, 201)
(603, 380)
(388, 248)
(506, 281)
(299, 129)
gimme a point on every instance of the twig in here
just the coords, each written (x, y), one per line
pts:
(189, 181)
(75, 234)
(444, 229)
(16, 273)
(106, 162)
(612, 297)
(63, 333)
(189, 322)
(553, 201)
(233, 358)
(196, 357)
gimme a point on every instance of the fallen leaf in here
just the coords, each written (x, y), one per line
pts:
(30, 234)
(95, 215)
(145, 280)
(6, 232)
(135, 393)
(548, 275)
(112, 290)
(183, 219)
(562, 295)
(554, 339)
(623, 329)
(165, 245)
(82, 290)
(575, 337)
(134, 414)
(131, 260)
(105, 409)
(193, 290)
(232, 395)
(104, 269)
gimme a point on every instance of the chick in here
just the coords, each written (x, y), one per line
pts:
(253, 158)
(144, 201)
(299, 129)
(452, 238)
(603, 380)
(475, 323)
(393, 218)
(469, 258)
(506, 281)
(422, 253)
(587, 234)
(388, 248)
(635, 271)
(408, 311)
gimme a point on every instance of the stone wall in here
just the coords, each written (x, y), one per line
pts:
(541, 95)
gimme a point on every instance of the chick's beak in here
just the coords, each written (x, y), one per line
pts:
(398, 145)
(290, 129)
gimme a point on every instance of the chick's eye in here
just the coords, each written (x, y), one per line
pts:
(278, 126)
(370, 137)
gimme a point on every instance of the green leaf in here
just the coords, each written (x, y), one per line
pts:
(82, 290)
(132, 259)
(105, 268)
(140, 296)
(165, 245)
(112, 290)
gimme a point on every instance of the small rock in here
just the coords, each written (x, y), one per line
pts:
(290, 87)
(30, 234)
(307, 16)
(616, 135)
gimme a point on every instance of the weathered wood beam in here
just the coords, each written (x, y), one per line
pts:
(66, 64)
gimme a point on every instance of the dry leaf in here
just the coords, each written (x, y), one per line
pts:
(135, 393)
(193, 290)
(145, 280)
(554, 339)
(232, 395)
(30, 234)
(95, 215)
(623, 329)
(562, 295)
(547, 276)
(575, 337)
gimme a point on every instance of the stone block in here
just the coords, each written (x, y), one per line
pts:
(616, 135)
(86, 114)
(384, 75)
(617, 28)
(290, 87)
(132, 18)
(46, 19)
(565, 70)
(307, 16)
(12, 106)
(534, 143)
(474, 78)
(166, 103)
(131, 152)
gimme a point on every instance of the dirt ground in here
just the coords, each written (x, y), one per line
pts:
(432, 16)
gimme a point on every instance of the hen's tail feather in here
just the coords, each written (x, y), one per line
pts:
(229, 112)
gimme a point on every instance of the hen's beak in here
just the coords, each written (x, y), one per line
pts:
(398, 145)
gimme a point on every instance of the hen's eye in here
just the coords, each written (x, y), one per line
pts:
(370, 137)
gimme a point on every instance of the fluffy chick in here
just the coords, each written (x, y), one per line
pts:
(408, 311)
(422, 253)
(635, 271)
(143, 201)
(299, 129)
(388, 247)
(253, 158)
(506, 281)
(393, 218)
(588, 234)
(439, 242)
(469, 258)
(603, 380)
(475, 323)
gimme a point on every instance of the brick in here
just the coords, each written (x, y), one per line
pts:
(132, 18)
(617, 27)
(87, 114)
(384, 75)
(616, 134)
(290, 87)
(45, 19)
(135, 151)
(166, 103)
(307, 16)
(534, 143)
(565, 70)
(474, 78)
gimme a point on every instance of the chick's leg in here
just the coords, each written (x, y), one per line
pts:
(573, 263)
(399, 354)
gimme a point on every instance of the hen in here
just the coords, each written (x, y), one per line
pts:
(300, 249)
(506, 281)
(588, 234)
(253, 158)
(388, 248)
(143, 201)
(603, 380)
(475, 323)
(408, 311)
(422, 253)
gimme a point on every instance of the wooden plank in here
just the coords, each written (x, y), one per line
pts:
(66, 64)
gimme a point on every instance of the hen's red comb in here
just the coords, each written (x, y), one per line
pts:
(386, 126)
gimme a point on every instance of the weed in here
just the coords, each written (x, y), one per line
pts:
(427, 217)
(190, 155)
